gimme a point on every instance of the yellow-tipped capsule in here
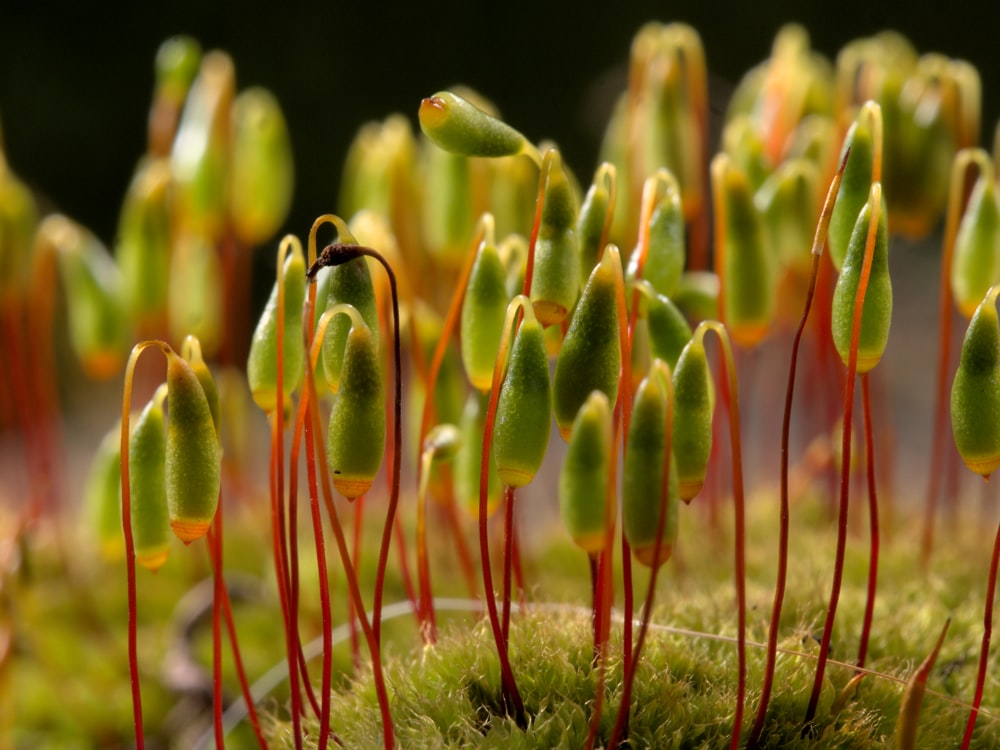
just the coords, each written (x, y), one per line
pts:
(975, 392)
(468, 460)
(460, 127)
(200, 155)
(97, 323)
(261, 179)
(191, 351)
(356, 434)
(854, 185)
(147, 455)
(556, 280)
(194, 304)
(103, 496)
(523, 416)
(665, 254)
(194, 454)
(642, 476)
(583, 480)
(349, 283)
(590, 357)
(877, 311)
(693, 402)
(483, 310)
(143, 245)
(976, 263)
(262, 363)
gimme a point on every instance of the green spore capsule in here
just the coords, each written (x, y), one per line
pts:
(590, 358)
(975, 392)
(583, 480)
(460, 127)
(669, 331)
(976, 263)
(191, 351)
(642, 475)
(877, 312)
(349, 283)
(147, 455)
(854, 187)
(356, 435)
(746, 269)
(97, 322)
(143, 246)
(448, 210)
(556, 280)
(523, 416)
(194, 305)
(194, 454)
(262, 175)
(483, 312)
(468, 460)
(693, 406)
(665, 254)
(698, 295)
(103, 496)
(591, 220)
(262, 363)
(788, 201)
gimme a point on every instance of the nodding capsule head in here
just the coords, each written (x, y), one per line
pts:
(583, 481)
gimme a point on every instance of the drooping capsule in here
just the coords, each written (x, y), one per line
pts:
(349, 283)
(555, 283)
(194, 305)
(468, 460)
(669, 331)
(262, 362)
(976, 262)
(191, 351)
(591, 220)
(147, 455)
(193, 453)
(261, 178)
(642, 475)
(693, 404)
(483, 310)
(103, 496)
(877, 312)
(583, 479)
(854, 184)
(665, 254)
(523, 414)
(975, 391)
(356, 434)
(460, 127)
(590, 357)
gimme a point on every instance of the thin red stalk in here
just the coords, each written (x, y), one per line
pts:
(984, 649)
(508, 554)
(845, 469)
(227, 612)
(324, 588)
(352, 584)
(873, 521)
(819, 241)
(215, 553)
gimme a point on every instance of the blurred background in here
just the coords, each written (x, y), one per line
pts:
(76, 80)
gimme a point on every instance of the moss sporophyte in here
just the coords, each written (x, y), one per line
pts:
(471, 278)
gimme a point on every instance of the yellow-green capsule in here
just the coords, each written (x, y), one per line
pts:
(262, 362)
(590, 358)
(199, 160)
(854, 187)
(591, 220)
(555, 283)
(191, 351)
(349, 283)
(194, 303)
(483, 310)
(356, 434)
(147, 455)
(669, 331)
(523, 416)
(747, 267)
(877, 312)
(693, 403)
(460, 127)
(698, 295)
(975, 392)
(176, 65)
(513, 189)
(143, 245)
(103, 496)
(642, 475)
(448, 208)
(788, 202)
(468, 460)
(98, 327)
(976, 262)
(665, 255)
(261, 177)
(583, 479)
(194, 454)
(18, 221)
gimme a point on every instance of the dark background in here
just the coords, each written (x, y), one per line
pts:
(75, 83)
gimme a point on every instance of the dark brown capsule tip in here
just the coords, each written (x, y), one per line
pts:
(336, 255)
